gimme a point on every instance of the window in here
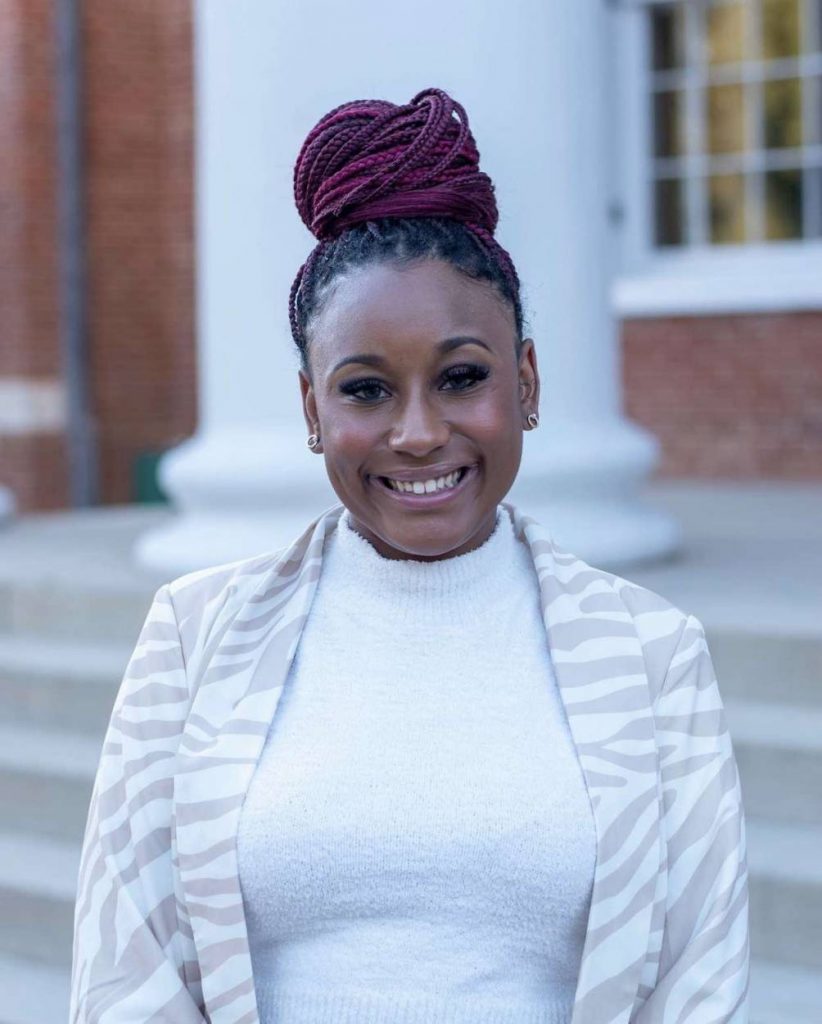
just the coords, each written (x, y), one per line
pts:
(737, 121)
(721, 105)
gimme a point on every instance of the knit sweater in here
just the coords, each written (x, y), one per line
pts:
(417, 843)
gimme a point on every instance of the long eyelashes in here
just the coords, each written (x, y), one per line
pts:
(469, 374)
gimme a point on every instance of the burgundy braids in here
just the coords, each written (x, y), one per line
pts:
(373, 161)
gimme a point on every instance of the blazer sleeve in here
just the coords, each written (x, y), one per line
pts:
(703, 975)
(128, 961)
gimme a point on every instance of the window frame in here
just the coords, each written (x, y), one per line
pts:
(694, 279)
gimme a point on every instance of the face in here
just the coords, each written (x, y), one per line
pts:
(414, 375)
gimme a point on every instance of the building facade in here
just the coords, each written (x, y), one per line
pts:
(135, 126)
(715, 199)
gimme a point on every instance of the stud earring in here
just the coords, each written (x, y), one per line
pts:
(313, 441)
(533, 419)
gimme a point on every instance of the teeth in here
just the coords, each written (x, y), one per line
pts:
(425, 486)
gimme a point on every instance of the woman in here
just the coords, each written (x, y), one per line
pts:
(499, 784)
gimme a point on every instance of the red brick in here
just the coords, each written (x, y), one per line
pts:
(734, 397)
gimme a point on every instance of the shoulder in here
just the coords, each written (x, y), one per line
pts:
(202, 597)
(206, 601)
(661, 626)
(593, 603)
(215, 579)
(672, 641)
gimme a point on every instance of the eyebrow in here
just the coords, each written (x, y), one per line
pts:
(443, 347)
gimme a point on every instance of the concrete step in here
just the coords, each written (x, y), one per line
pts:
(778, 749)
(82, 613)
(785, 879)
(782, 994)
(64, 686)
(71, 574)
(38, 887)
(46, 779)
(768, 665)
(33, 993)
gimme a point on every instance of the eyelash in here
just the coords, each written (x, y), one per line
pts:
(455, 373)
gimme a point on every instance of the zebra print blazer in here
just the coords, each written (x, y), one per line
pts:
(159, 926)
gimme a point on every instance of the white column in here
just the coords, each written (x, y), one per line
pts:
(532, 78)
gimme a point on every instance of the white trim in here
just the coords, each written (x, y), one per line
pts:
(29, 406)
(737, 279)
(698, 279)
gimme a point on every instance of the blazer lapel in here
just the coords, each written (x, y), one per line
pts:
(600, 668)
(236, 696)
(598, 662)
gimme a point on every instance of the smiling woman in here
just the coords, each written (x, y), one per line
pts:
(421, 765)
(397, 286)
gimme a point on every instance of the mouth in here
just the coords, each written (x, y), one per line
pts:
(433, 499)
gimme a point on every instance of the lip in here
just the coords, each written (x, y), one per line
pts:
(408, 476)
(423, 501)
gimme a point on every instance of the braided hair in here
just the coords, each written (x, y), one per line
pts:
(376, 182)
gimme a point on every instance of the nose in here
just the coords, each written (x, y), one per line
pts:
(419, 428)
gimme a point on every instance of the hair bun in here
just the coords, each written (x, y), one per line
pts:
(370, 159)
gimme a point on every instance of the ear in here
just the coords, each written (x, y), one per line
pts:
(528, 377)
(312, 420)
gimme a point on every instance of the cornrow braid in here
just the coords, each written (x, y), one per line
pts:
(378, 182)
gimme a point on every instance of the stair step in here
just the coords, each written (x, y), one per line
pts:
(38, 887)
(778, 749)
(72, 574)
(46, 780)
(784, 994)
(766, 665)
(56, 609)
(33, 993)
(785, 880)
(59, 685)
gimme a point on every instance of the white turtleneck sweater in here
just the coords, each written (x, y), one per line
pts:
(417, 843)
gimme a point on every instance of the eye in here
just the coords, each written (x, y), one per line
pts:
(469, 374)
(353, 387)
(462, 378)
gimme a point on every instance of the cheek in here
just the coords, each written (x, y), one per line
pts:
(494, 419)
(350, 436)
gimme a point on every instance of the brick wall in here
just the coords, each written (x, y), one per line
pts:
(734, 397)
(138, 153)
(139, 181)
(32, 420)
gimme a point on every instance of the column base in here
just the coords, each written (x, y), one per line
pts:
(237, 493)
(8, 505)
(244, 492)
(584, 480)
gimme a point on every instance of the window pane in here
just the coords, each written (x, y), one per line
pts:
(726, 33)
(782, 101)
(783, 204)
(726, 198)
(668, 122)
(667, 37)
(815, 186)
(669, 212)
(780, 28)
(814, 85)
(726, 118)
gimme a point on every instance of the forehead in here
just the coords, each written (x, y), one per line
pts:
(403, 312)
